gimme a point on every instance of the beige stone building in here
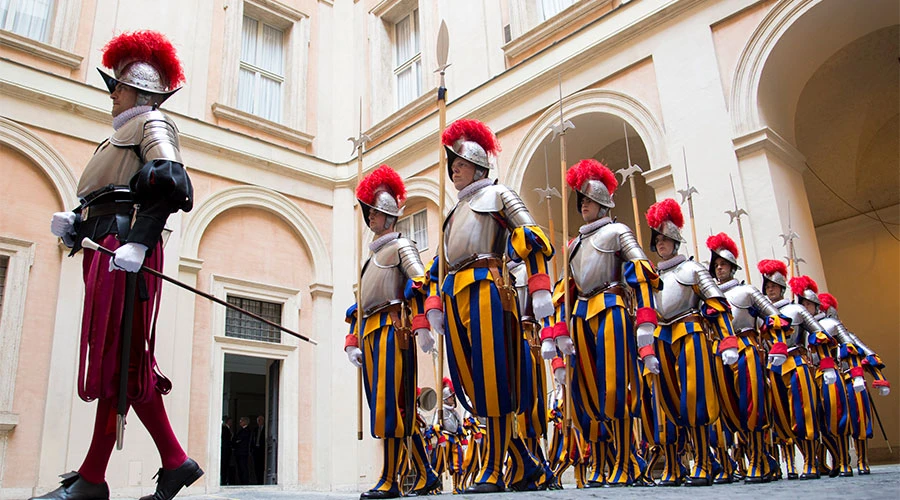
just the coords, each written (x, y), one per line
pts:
(795, 100)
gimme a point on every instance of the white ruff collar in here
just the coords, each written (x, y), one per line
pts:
(382, 241)
(128, 114)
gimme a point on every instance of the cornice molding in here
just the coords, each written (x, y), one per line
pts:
(235, 115)
(39, 49)
(550, 28)
(767, 140)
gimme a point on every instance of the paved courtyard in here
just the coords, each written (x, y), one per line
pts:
(882, 484)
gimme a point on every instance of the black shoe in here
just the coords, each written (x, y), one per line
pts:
(846, 473)
(170, 482)
(675, 482)
(392, 493)
(479, 488)
(807, 476)
(75, 488)
(593, 484)
(723, 480)
(863, 472)
(432, 488)
(526, 483)
(792, 476)
(756, 479)
(834, 472)
(697, 481)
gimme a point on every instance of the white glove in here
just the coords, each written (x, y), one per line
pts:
(645, 334)
(436, 320)
(129, 257)
(426, 339)
(354, 354)
(777, 359)
(829, 376)
(730, 356)
(559, 375)
(651, 363)
(62, 223)
(566, 346)
(884, 390)
(542, 303)
(548, 348)
(859, 384)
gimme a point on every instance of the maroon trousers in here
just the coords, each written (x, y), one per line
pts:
(99, 360)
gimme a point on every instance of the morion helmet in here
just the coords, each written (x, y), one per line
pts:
(721, 245)
(803, 287)
(470, 140)
(144, 60)
(774, 271)
(665, 218)
(592, 179)
(382, 190)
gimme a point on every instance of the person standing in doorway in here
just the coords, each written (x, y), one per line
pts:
(242, 451)
(225, 452)
(258, 447)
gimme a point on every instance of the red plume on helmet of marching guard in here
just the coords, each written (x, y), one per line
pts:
(383, 190)
(592, 179)
(805, 287)
(145, 60)
(721, 245)
(774, 271)
(828, 301)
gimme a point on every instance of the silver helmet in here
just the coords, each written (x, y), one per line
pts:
(595, 189)
(722, 246)
(667, 229)
(145, 61)
(470, 151)
(811, 296)
(384, 202)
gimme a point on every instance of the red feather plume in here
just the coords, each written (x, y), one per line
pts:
(471, 130)
(828, 301)
(661, 211)
(149, 46)
(771, 266)
(381, 176)
(448, 384)
(591, 169)
(801, 283)
(722, 240)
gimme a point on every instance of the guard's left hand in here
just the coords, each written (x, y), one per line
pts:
(436, 320)
(426, 339)
(730, 356)
(128, 257)
(542, 303)
(884, 390)
(859, 384)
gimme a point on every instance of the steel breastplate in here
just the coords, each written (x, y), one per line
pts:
(793, 311)
(110, 165)
(740, 301)
(468, 233)
(677, 297)
(450, 420)
(594, 263)
(382, 280)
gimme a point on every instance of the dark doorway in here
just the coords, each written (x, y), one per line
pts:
(250, 404)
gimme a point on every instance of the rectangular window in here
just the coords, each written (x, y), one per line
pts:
(261, 79)
(4, 265)
(415, 227)
(244, 327)
(550, 8)
(408, 59)
(29, 18)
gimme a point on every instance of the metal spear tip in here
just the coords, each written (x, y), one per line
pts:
(560, 129)
(626, 173)
(547, 193)
(687, 193)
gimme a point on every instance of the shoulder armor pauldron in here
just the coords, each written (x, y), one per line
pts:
(487, 199)
(606, 239)
(687, 273)
(388, 255)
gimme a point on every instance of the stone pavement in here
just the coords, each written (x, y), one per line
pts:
(882, 484)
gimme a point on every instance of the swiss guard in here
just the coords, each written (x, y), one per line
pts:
(745, 402)
(390, 318)
(693, 317)
(131, 185)
(482, 321)
(604, 346)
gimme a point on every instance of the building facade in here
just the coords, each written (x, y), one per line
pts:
(795, 101)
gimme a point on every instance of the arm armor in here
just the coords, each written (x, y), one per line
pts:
(517, 214)
(866, 351)
(810, 323)
(762, 303)
(707, 285)
(160, 140)
(631, 250)
(410, 262)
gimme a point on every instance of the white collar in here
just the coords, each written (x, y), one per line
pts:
(670, 263)
(126, 116)
(383, 240)
(593, 226)
(473, 187)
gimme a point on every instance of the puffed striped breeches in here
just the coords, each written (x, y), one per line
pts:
(383, 374)
(686, 383)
